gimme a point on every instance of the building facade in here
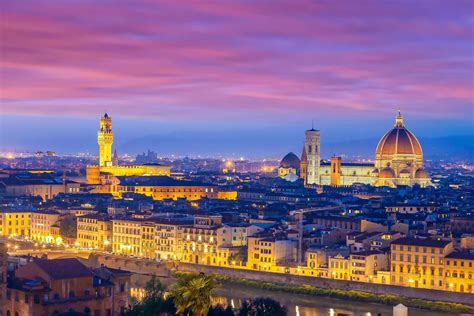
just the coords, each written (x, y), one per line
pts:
(41, 223)
(105, 139)
(94, 231)
(398, 161)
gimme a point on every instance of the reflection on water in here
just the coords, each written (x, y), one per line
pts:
(297, 304)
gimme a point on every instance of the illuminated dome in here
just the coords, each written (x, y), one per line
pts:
(398, 141)
(387, 172)
(421, 174)
(290, 161)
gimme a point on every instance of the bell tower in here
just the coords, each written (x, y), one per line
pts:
(105, 139)
(312, 149)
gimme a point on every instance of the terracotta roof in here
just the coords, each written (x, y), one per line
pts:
(58, 269)
(422, 242)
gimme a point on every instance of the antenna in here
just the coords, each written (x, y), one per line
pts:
(312, 124)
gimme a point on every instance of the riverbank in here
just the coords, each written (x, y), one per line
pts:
(353, 295)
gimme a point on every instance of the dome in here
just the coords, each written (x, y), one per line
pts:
(290, 161)
(376, 170)
(398, 141)
(421, 173)
(387, 172)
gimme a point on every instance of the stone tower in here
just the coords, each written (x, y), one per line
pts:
(335, 170)
(105, 139)
(115, 159)
(312, 148)
(304, 166)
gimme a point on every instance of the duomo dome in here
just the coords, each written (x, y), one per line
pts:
(399, 157)
(398, 141)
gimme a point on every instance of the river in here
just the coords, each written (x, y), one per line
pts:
(297, 304)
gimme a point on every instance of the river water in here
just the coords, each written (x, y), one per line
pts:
(297, 304)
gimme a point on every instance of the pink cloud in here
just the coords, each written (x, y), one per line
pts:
(232, 57)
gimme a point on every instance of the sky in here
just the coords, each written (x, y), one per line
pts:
(233, 77)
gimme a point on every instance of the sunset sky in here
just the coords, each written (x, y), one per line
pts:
(243, 77)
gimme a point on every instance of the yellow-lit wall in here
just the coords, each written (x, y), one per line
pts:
(94, 233)
(172, 192)
(15, 223)
(459, 275)
(417, 266)
(40, 227)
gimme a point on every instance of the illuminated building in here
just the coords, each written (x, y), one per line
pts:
(398, 161)
(209, 242)
(15, 223)
(105, 139)
(41, 223)
(338, 267)
(134, 237)
(311, 157)
(48, 287)
(417, 262)
(227, 195)
(169, 239)
(270, 254)
(42, 184)
(162, 187)
(94, 231)
(365, 265)
(459, 271)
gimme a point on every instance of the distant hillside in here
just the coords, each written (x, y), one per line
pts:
(264, 144)
(459, 147)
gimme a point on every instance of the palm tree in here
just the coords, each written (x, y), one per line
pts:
(194, 294)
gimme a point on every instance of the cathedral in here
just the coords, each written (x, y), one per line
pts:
(109, 164)
(398, 161)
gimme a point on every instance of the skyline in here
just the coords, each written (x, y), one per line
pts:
(237, 76)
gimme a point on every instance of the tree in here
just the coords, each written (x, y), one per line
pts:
(68, 226)
(153, 303)
(219, 310)
(194, 294)
(262, 307)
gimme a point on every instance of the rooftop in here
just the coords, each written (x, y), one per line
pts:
(423, 242)
(58, 269)
(156, 181)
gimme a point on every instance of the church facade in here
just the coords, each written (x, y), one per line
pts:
(108, 164)
(398, 161)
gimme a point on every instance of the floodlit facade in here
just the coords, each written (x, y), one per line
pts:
(398, 161)
(417, 262)
(459, 272)
(94, 231)
(15, 223)
(41, 226)
(105, 139)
